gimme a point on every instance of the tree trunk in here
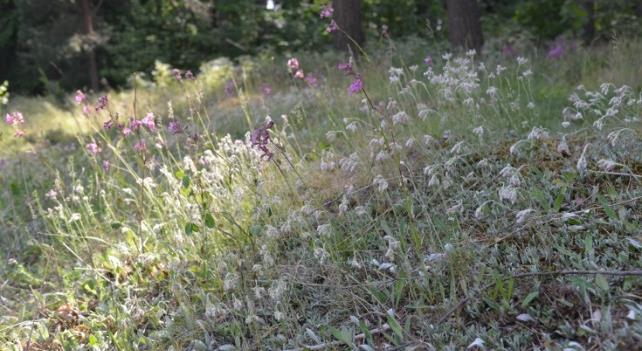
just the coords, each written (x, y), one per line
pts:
(91, 53)
(347, 15)
(588, 30)
(464, 24)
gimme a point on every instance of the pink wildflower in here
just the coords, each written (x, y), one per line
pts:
(80, 97)
(140, 146)
(356, 86)
(148, 121)
(102, 103)
(19, 133)
(260, 138)
(327, 11)
(134, 124)
(93, 148)
(177, 74)
(174, 127)
(106, 165)
(312, 80)
(293, 64)
(332, 27)
(346, 68)
(299, 74)
(14, 118)
(556, 51)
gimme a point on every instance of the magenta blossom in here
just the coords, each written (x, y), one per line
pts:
(148, 121)
(108, 124)
(428, 60)
(556, 51)
(93, 148)
(85, 109)
(332, 27)
(356, 86)
(106, 165)
(327, 11)
(140, 146)
(79, 97)
(293, 64)
(266, 90)
(312, 80)
(260, 138)
(14, 118)
(346, 68)
(189, 75)
(102, 103)
(127, 131)
(177, 74)
(174, 127)
(299, 74)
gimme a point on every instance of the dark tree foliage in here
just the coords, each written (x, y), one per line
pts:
(9, 24)
(53, 46)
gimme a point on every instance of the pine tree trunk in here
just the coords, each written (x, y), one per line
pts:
(464, 24)
(91, 54)
(347, 14)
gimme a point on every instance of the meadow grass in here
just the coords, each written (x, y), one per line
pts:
(472, 202)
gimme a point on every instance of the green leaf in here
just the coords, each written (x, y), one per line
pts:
(191, 228)
(529, 298)
(186, 182)
(395, 326)
(179, 174)
(601, 282)
(209, 220)
(386, 227)
(343, 335)
(607, 209)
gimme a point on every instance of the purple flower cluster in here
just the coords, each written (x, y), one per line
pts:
(174, 127)
(332, 27)
(357, 82)
(327, 12)
(260, 138)
(102, 103)
(356, 86)
(93, 148)
(559, 48)
(177, 74)
(14, 119)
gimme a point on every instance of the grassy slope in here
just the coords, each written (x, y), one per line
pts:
(353, 226)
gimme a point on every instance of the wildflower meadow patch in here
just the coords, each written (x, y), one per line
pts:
(449, 201)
